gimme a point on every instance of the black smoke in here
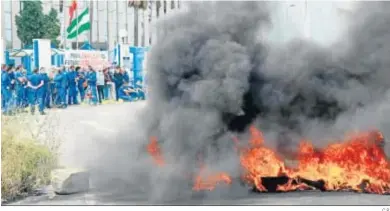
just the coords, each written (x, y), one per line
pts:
(212, 74)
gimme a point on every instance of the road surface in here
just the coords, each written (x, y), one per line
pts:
(94, 137)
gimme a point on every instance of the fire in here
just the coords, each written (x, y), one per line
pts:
(154, 150)
(208, 181)
(357, 163)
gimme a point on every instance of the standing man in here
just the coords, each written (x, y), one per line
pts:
(45, 89)
(72, 92)
(11, 74)
(118, 81)
(100, 85)
(20, 86)
(60, 88)
(34, 84)
(52, 89)
(25, 90)
(65, 82)
(91, 79)
(80, 82)
(65, 86)
(5, 90)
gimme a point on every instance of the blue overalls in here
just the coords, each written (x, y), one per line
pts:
(91, 77)
(20, 89)
(65, 86)
(52, 88)
(122, 94)
(60, 89)
(65, 82)
(72, 91)
(5, 91)
(118, 79)
(45, 93)
(12, 103)
(126, 78)
(140, 92)
(81, 76)
(34, 94)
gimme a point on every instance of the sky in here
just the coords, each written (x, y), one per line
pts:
(323, 21)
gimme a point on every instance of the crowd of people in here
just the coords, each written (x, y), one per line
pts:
(64, 86)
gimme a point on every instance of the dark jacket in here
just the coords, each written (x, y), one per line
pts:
(118, 79)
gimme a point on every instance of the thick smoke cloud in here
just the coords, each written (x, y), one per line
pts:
(212, 75)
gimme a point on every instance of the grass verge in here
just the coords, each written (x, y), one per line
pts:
(27, 159)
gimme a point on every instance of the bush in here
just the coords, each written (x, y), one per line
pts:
(26, 161)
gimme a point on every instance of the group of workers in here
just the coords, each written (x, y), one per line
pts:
(61, 87)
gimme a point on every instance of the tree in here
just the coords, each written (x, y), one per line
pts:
(30, 22)
(33, 24)
(52, 27)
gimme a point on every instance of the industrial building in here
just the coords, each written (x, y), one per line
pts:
(112, 22)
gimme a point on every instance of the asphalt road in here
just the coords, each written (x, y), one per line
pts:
(86, 129)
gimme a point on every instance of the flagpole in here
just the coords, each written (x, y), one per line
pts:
(91, 21)
(64, 28)
(77, 28)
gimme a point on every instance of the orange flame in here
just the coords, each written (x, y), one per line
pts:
(154, 150)
(207, 181)
(358, 163)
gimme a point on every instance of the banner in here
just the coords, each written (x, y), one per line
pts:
(83, 58)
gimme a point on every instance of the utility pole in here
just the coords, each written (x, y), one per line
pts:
(126, 24)
(108, 25)
(117, 22)
(135, 26)
(97, 21)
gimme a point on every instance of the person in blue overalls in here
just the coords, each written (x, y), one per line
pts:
(127, 93)
(65, 82)
(80, 82)
(34, 84)
(45, 89)
(3, 70)
(140, 91)
(5, 90)
(91, 80)
(25, 90)
(52, 90)
(65, 87)
(13, 87)
(126, 77)
(72, 88)
(118, 79)
(59, 88)
(21, 83)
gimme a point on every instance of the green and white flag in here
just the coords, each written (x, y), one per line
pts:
(79, 24)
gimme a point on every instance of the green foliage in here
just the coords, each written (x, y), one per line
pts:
(52, 27)
(29, 152)
(25, 165)
(33, 24)
(30, 21)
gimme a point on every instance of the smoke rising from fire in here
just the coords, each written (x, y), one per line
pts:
(212, 75)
